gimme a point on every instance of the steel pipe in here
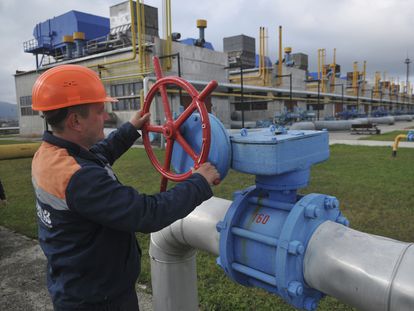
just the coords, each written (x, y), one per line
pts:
(173, 255)
(366, 271)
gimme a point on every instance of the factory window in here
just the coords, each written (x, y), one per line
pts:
(26, 106)
(259, 106)
(251, 103)
(315, 106)
(128, 96)
(256, 105)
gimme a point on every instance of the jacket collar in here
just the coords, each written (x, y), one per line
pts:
(73, 148)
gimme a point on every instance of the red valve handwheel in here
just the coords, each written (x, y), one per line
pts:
(170, 129)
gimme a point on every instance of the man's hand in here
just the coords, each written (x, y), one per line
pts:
(138, 120)
(209, 172)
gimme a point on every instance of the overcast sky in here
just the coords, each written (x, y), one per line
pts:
(378, 31)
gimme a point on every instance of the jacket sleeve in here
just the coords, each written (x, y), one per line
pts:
(117, 142)
(93, 194)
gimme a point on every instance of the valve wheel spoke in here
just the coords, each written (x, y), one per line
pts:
(165, 103)
(187, 148)
(186, 114)
(168, 154)
(154, 128)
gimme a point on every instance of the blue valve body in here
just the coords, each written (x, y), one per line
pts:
(263, 241)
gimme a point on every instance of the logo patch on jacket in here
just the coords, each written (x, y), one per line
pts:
(44, 216)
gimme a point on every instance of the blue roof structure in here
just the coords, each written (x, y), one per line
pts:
(192, 41)
(49, 34)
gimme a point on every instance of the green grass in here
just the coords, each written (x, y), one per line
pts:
(390, 136)
(13, 142)
(373, 188)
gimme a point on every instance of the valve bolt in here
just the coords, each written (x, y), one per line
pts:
(296, 248)
(295, 288)
(312, 211)
(310, 304)
(331, 202)
(220, 226)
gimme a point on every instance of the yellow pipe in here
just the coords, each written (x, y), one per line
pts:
(355, 78)
(125, 72)
(18, 151)
(364, 77)
(139, 31)
(143, 34)
(264, 59)
(377, 80)
(266, 81)
(396, 142)
(134, 50)
(279, 65)
(323, 61)
(259, 75)
(168, 35)
(265, 97)
(333, 72)
(137, 76)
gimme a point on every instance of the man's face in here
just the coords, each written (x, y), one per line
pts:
(93, 125)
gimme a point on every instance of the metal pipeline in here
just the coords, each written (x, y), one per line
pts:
(362, 270)
(140, 13)
(396, 143)
(366, 271)
(18, 151)
(279, 65)
(168, 34)
(173, 255)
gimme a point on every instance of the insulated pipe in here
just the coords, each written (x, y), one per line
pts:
(173, 256)
(369, 272)
(18, 151)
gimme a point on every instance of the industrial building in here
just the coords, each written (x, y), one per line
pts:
(252, 90)
(270, 236)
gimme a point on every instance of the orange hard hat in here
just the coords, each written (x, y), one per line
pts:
(68, 85)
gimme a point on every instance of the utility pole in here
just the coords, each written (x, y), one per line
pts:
(407, 62)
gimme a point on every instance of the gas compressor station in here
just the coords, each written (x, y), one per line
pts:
(298, 247)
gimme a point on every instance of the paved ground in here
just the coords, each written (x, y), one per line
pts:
(347, 138)
(22, 263)
(22, 275)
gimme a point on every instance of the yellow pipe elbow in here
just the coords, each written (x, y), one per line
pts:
(396, 142)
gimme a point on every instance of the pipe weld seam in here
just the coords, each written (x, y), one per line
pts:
(177, 261)
(394, 274)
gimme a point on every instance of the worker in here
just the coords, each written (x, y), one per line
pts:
(86, 218)
(3, 200)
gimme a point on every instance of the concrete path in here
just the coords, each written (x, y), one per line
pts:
(23, 278)
(347, 138)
